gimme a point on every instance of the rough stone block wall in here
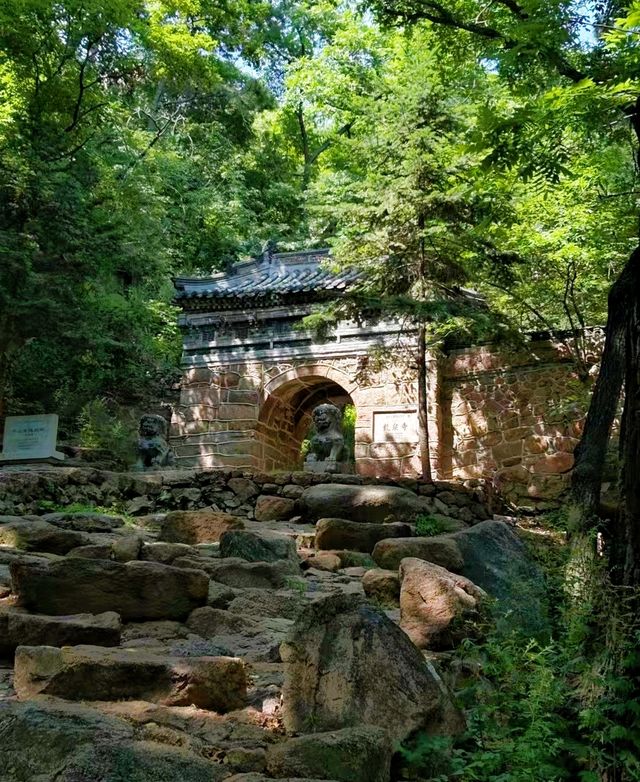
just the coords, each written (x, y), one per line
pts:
(237, 492)
(215, 421)
(513, 417)
(254, 416)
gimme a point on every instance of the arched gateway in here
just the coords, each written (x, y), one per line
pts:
(252, 376)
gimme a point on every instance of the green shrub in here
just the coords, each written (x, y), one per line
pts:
(427, 526)
(564, 709)
(103, 430)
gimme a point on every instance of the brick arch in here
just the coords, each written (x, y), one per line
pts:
(285, 414)
(307, 372)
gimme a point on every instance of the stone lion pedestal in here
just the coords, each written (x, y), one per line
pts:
(329, 466)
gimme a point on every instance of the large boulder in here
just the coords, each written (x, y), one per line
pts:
(19, 628)
(70, 742)
(496, 560)
(437, 608)
(361, 754)
(197, 526)
(258, 548)
(29, 533)
(347, 665)
(135, 590)
(356, 535)
(96, 673)
(374, 504)
(441, 550)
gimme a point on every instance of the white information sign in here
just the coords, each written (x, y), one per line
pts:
(396, 427)
(30, 437)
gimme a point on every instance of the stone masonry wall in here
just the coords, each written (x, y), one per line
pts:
(511, 417)
(243, 493)
(253, 415)
(514, 418)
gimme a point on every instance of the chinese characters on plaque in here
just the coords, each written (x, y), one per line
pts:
(30, 437)
(397, 427)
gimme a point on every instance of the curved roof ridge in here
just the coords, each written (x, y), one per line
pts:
(299, 272)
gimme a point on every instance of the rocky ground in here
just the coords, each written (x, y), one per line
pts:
(197, 645)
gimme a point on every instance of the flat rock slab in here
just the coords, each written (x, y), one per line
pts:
(441, 550)
(84, 522)
(135, 590)
(30, 533)
(96, 673)
(208, 622)
(18, 628)
(259, 642)
(197, 526)
(351, 755)
(166, 552)
(256, 575)
(9, 554)
(259, 603)
(375, 504)
(68, 742)
(256, 777)
(360, 536)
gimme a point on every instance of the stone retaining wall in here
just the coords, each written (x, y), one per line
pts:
(238, 492)
(514, 417)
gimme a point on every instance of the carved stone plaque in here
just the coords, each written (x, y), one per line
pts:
(30, 437)
(395, 427)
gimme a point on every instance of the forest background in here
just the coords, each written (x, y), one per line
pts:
(488, 145)
(143, 140)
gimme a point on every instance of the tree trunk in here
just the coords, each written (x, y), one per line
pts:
(423, 408)
(4, 388)
(591, 452)
(630, 500)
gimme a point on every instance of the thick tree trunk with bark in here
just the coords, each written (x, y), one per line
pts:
(630, 505)
(618, 361)
(591, 452)
(423, 407)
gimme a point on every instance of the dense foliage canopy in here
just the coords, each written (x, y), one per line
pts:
(139, 140)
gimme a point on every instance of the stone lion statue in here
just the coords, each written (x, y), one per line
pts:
(153, 449)
(327, 444)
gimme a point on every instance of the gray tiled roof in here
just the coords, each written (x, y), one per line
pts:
(305, 273)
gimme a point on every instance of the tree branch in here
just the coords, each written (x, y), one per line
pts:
(437, 14)
(343, 131)
(82, 88)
